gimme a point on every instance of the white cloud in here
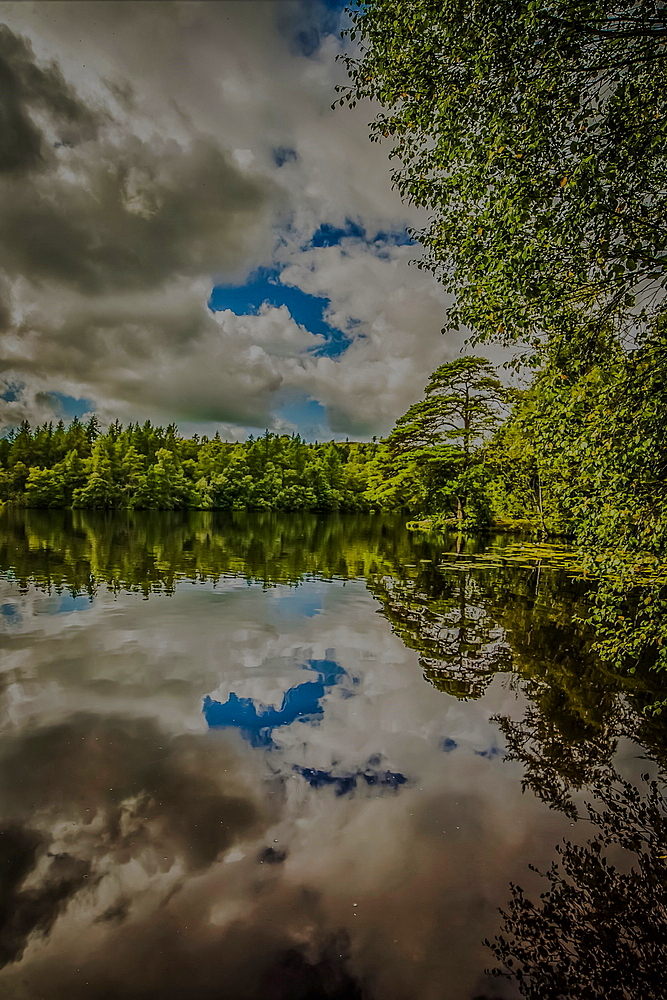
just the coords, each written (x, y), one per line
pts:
(394, 315)
(168, 181)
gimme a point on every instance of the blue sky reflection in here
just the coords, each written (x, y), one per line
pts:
(256, 722)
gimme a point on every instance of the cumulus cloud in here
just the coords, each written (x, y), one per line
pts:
(151, 150)
(393, 314)
(28, 90)
(158, 352)
(125, 215)
(106, 228)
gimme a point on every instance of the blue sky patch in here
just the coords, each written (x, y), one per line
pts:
(265, 286)
(329, 671)
(256, 722)
(71, 602)
(308, 415)
(63, 406)
(12, 392)
(283, 155)
(318, 18)
(305, 602)
(327, 235)
(398, 237)
(346, 783)
(63, 604)
(70, 407)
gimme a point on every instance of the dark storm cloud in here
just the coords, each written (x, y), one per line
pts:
(25, 88)
(132, 215)
(107, 220)
(242, 963)
(326, 978)
(24, 911)
(176, 955)
(91, 766)
(95, 207)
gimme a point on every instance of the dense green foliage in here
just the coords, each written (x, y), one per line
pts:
(535, 132)
(148, 467)
(429, 463)
(584, 451)
(581, 452)
(431, 460)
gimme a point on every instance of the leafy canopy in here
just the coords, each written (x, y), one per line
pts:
(461, 405)
(430, 461)
(535, 133)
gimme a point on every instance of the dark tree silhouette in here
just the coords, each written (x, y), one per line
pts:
(600, 928)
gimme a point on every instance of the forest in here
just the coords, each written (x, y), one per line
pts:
(534, 137)
(578, 453)
(444, 457)
(147, 467)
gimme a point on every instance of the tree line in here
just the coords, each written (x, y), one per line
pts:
(580, 452)
(142, 466)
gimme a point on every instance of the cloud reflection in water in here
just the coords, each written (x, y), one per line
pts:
(166, 857)
(256, 723)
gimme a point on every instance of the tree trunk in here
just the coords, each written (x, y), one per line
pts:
(539, 501)
(466, 428)
(460, 513)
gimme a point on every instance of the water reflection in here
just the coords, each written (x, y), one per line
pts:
(600, 927)
(257, 723)
(245, 788)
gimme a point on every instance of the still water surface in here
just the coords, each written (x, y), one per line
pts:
(290, 756)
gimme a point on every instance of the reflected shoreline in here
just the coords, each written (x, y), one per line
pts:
(316, 773)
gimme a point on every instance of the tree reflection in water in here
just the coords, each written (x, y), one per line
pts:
(600, 928)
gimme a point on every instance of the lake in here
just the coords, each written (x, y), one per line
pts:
(300, 756)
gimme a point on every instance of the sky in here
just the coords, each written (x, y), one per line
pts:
(190, 232)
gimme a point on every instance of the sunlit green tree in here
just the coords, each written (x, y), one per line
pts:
(429, 462)
(535, 134)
